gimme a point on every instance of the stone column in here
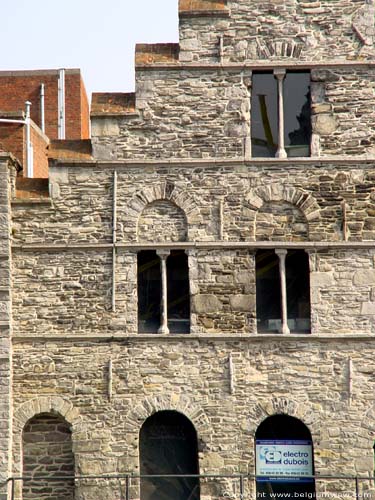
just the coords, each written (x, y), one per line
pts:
(279, 74)
(163, 254)
(284, 309)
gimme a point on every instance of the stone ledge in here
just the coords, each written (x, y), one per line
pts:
(316, 161)
(112, 103)
(255, 65)
(204, 245)
(31, 201)
(137, 337)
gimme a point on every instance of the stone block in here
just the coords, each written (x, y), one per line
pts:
(364, 277)
(206, 303)
(368, 308)
(324, 124)
(319, 279)
(105, 127)
(245, 303)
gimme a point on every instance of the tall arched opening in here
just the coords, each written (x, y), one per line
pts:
(284, 458)
(168, 446)
(47, 459)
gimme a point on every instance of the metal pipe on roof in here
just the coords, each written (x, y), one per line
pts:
(42, 118)
(61, 104)
(9, 120)
(29, 146)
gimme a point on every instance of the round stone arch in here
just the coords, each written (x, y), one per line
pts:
(172, 402)
(303, 201)
(50, 405)
(162, 221)
(366, 429)
(162, 191)
(284, 406)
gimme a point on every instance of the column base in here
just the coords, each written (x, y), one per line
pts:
(163, 329)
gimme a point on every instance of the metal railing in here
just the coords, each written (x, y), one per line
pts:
(213, 486)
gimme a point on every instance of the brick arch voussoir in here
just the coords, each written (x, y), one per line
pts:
(367, 426)
(290, 407)
(304, 201)
(174, 402)
(48, 404)
(163, 191)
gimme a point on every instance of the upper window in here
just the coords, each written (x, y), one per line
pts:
(281, 114)
(163, 292)
(283, 291)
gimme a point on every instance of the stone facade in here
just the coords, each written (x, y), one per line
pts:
(174, 171)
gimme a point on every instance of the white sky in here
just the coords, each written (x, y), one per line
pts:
(97, 36)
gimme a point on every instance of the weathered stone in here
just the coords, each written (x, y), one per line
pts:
(242, 302)
(364, 277)
(205, 303)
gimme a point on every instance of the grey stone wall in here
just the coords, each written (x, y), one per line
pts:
(186, 179)
(162, 221)
(280, 221)
(317, 189)
(205, 113)
(303, 377)
(6, 179)
(290, 30)
(57, 289)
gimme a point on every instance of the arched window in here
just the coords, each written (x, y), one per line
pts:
(284, 458)
(168, 446)
(47, 453)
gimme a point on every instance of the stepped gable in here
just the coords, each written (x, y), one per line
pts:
(112, 103)
(150, 53)
(31, 188)
(187, 8)
(70, 150)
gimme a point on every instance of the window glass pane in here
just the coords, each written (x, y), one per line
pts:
(264, 125)
(178, 292)
(149, 292)
(298, 291)
(268, 292)
(297, 114)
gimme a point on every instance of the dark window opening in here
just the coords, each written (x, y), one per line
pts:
(298, 290)
(297, 114)
(168, 446)
(285, 458)
(178, 292)
(268, 291)
(264, 121)
(149, 291)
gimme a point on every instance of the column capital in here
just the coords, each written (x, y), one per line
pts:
(280, 252)
(163, 253)
(279, 73)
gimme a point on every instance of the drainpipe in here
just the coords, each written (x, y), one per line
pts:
(61, 104)
(29, 146)
(42, 119)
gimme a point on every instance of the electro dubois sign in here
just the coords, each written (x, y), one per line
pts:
(280, 460)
